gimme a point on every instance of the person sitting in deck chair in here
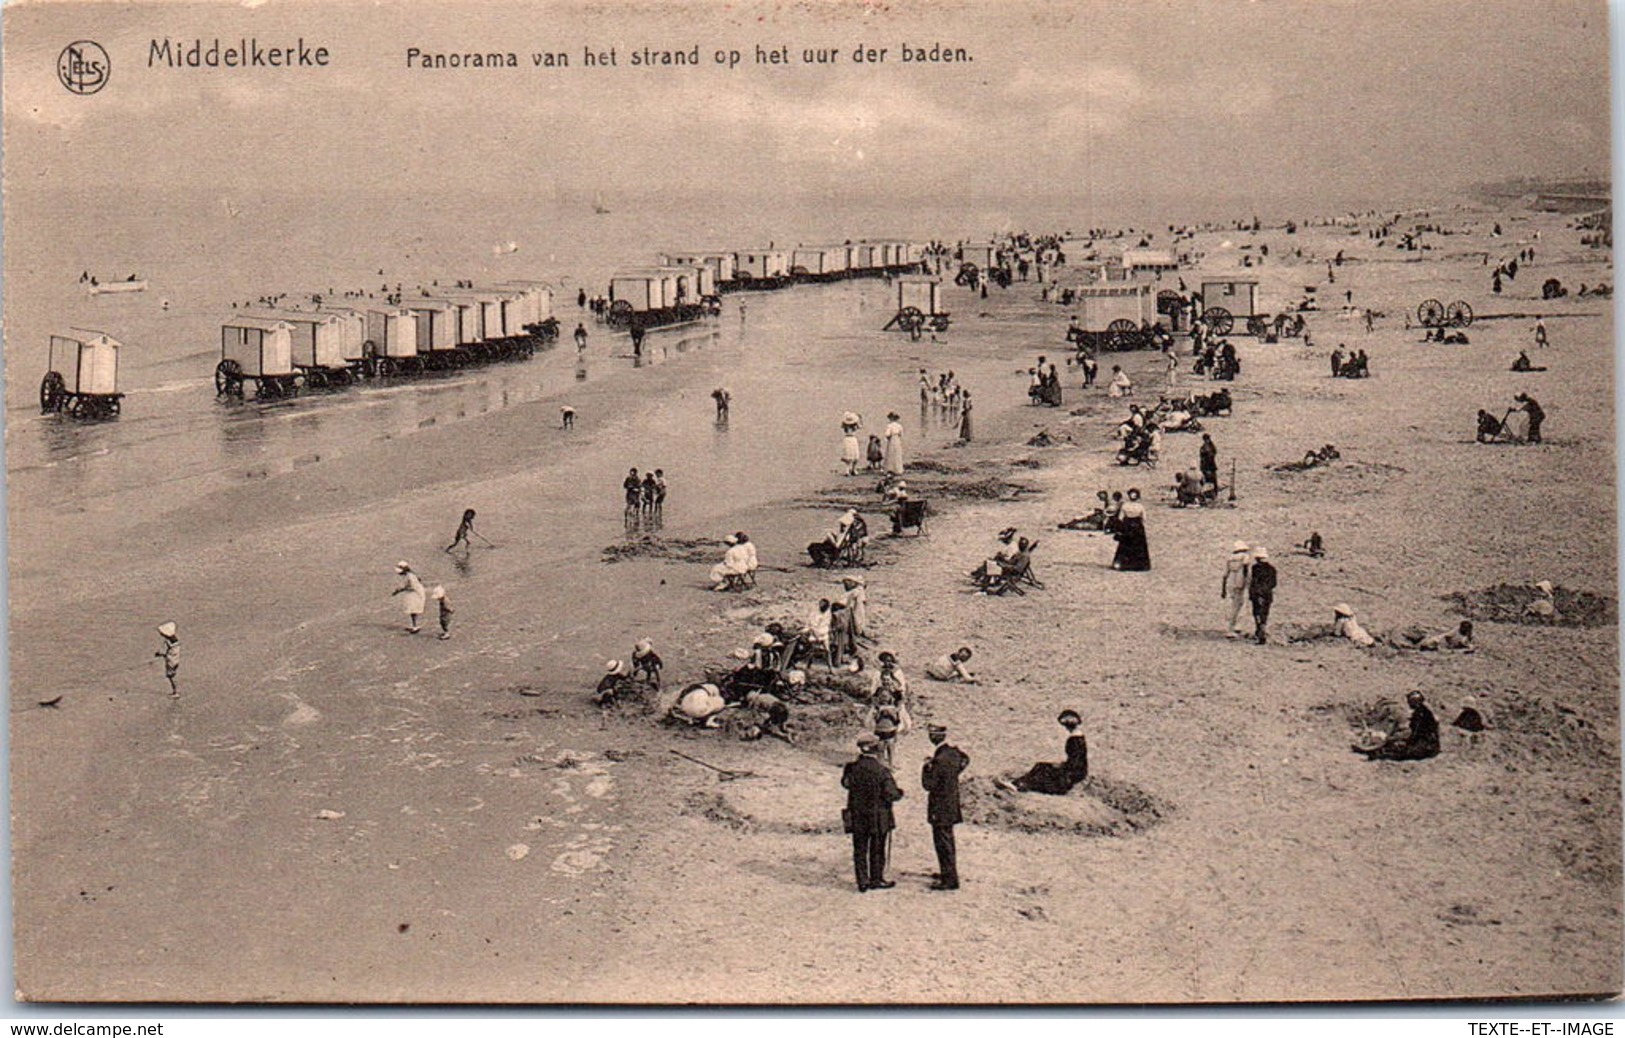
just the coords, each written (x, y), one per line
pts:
(1013, 571)
(1002, 550)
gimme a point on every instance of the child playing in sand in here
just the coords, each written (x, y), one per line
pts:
(464, 528)
(646, 663)
(171, 653)
(439, 596)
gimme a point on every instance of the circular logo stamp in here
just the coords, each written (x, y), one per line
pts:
(83, 67)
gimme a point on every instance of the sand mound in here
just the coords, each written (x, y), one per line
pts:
(1096, 807)
(699, 549)
(1505, 604)
(1546, 732)
(928, 465)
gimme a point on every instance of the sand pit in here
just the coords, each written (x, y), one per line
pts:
(1097, 806)
(1505, 604)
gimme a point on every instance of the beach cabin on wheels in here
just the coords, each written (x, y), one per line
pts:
(257, 350)
(761, 268)
(1112, 316)
(650, 297)
(352, 333)
(437, 331)
(90, 388)
(721, 264)
(919, 305)
(535, 307)
(820, 262)
(1149, 262)
(983, 255)
(467, 319)
(319, 341)
(393, 332)
(1226, 299)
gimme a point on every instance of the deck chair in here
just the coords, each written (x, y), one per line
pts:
(852, 547)
(909, 514)
(1012, 578)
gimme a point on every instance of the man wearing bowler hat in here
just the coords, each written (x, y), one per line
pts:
(871, 791)
(940, 777)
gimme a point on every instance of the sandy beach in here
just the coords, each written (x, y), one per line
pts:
(336, 811)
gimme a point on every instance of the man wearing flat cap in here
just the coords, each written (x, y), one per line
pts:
(870, 793)
(940, 777)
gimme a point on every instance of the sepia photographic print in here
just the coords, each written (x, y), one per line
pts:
(811, 503)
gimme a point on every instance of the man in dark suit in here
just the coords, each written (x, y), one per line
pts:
(871, 791)
(940, 776)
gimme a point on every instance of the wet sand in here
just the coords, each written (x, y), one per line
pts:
(488, 836)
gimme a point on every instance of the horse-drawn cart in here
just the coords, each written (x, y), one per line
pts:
(1225, 300)
(93, 393)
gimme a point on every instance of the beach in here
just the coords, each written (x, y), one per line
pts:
(334, 810)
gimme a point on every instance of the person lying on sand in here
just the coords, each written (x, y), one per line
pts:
(1460, 639)
(1420, 741)
(951, 667)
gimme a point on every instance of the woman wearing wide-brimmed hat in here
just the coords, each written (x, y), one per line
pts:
(1058, 779)
(851, 452)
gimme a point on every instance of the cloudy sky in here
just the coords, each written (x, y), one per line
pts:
(1155, 100)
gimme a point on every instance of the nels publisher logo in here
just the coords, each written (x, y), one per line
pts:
(83, 67)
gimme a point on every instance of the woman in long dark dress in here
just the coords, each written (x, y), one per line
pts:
(1133, 553)
(1058, 779)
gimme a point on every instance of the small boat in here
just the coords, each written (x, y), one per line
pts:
(132, 285)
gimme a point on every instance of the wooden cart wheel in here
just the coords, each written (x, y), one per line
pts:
(53, 392)
(1430, 314)
(620, 314)
(939, 322)
(911, 319)
(1257, 327)
(228, 378)
(115, 404)
(1459, 314)
(1122, 334)
(1219, 319)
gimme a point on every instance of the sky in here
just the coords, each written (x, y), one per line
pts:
(1262, 102)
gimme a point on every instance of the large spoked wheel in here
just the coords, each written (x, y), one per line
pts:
(53, 393)
(1459, 314)
(228, 378)
(1257, 327)
(1430, 314)
(939, 322)
(910, 319)
(1122, 334)
(620, 314)
(1219, 319)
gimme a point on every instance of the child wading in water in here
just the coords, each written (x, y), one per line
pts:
(171, 654)
(464, 528)
(439, 595)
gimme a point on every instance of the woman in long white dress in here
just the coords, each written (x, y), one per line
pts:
(851, 453)
(894, 444)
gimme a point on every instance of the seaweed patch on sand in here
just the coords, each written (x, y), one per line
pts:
(675, 549)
